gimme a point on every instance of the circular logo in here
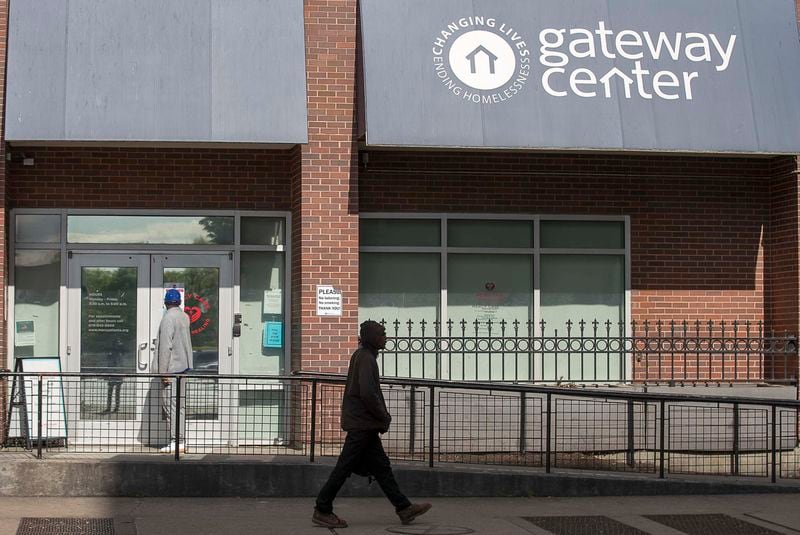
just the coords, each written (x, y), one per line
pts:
(197, 307)
(482, 60)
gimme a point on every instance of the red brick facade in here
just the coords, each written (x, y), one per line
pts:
(711, 237)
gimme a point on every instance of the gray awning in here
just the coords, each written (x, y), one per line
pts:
(156, 71)
(683, 75)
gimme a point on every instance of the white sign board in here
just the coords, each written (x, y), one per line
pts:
(54, 421)
(329, 301)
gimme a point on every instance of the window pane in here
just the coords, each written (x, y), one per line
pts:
(500, 234)
(261, 345)
(583, 234)
(262, 231)
(488, 288)
(400, 232)
(150, 230)
(401, 287)
(32, 228)
(37, 279)
(588, 288)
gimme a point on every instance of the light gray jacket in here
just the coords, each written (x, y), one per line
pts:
(174, 344)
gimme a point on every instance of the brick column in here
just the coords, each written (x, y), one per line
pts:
(325, 192)
(782, 245)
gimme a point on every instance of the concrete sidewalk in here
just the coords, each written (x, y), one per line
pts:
(497, 516)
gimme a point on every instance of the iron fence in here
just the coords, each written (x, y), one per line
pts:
(648, 352)
(435, 422)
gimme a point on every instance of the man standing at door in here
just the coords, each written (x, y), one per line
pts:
(364, 417)
(174, 348)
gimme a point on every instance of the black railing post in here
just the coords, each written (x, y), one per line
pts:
(522, 422)
(549, 431)
(735, 449)
(412, 419)
(40, 400)
(631, 441)
(431, 414)
(177, 417)
(313, 437)
(662, 440)
(774, 443)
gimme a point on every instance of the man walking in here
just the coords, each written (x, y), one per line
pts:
(174, 349)
(364, 417)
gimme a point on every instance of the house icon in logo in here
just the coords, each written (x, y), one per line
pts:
(472, 57)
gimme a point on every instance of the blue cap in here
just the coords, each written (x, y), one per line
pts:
(172, 297)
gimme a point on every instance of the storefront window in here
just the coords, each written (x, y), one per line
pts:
(37, 228)
(489, 289)
(263, 231)
(261, 345)
(589, 288)
(37, 279)
(564, 234)
(397, 287)
(400, 233)
(120, 229)
(494, 234)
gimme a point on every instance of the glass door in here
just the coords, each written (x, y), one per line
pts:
(108, 332)
(205, 280)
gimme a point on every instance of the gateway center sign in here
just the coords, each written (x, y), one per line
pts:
(487, 59)
(717, 75)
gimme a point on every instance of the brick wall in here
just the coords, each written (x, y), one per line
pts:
(325, 191)
(179, 179)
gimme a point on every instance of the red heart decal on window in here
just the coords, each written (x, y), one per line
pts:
(194, 313)
(489, 286)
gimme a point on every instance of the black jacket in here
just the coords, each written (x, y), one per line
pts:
(363, 406)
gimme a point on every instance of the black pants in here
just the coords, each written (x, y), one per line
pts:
(362, 451)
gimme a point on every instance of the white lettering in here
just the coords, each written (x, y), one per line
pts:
(702, 44)
(726, 53)
(623, 43)
(587, 40)
(588, 79)
(549, 57)
(606, 81)
(640, 74)
(604, 34)
(687, 82)
(659, 84)
(663, 41)
(546, 82)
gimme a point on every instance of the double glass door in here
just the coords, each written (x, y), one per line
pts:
(116, 302)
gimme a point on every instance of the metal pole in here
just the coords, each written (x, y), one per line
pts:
(431, 427)
(177, 417)
(412, 419)
(549, 431)
(774, 443)
(522, 422)
(662, 440)
(39, 421)
(735, 452)
(313, 443)
(631, 441)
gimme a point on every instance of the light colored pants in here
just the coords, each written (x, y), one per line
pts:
(168, 403)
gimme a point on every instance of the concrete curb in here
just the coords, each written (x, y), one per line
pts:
(143, 478)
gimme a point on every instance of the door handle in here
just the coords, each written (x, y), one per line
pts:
(142, 365)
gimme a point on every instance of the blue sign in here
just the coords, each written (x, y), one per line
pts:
(273, 334)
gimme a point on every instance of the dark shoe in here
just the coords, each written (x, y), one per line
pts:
(327, 520)
(411, 512)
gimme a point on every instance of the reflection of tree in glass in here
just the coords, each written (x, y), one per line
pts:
(219, 230)
(108, 299)
(203, 282)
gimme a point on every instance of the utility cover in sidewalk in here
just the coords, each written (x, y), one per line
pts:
(710, 525)
(430, 529)
(583, 525)
(66, 526)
